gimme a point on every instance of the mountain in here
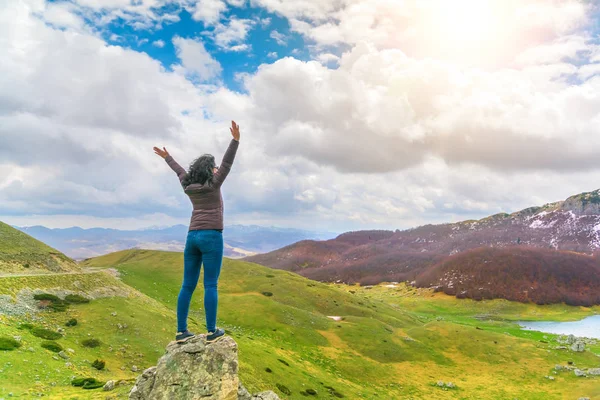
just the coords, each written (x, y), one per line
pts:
(542, 276)
(369, 257)
(20, 253)
(240, 240)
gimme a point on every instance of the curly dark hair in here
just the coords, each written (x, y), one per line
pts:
(201, 171)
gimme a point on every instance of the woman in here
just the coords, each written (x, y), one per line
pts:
(204, 243)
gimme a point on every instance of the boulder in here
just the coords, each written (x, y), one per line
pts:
(593, 371)
(110, 385)
(196, 370)
(578, 346)
(268, 395)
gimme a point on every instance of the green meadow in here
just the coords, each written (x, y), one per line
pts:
(391, 343)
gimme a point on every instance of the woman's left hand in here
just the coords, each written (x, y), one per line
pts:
(163, 153)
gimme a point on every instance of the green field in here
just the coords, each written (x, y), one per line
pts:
(393, 343)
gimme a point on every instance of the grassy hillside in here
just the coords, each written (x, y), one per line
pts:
(125, 323)
(383, 347)
(22, 254)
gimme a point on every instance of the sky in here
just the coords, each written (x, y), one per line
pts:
(354, 114)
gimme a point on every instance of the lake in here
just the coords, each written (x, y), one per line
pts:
(587, 327)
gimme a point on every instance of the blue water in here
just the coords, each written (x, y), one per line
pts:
(587, 327)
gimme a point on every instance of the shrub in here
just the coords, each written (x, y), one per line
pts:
(283, 362)
(8, 343)
(45, 334)
(71, 322)
(26, 325)
(283, 389)
(26, 265)
(47, 296)
(87, 383)
(93, 385)
(62, 306)
(269, 370)
(268, 294)
(90, 343)
(52, 346)
(335, 392)
(270, 276)
(76, 299)
(99, 364)
(56, 303)
(312, 392)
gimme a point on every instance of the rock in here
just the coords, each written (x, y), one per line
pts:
(593, 371)
(450, 385)
(268, 395)
(134, 368)
(193, 370)
(579, 372)
(56, 358)
(440, 383)
(110, 385)
(17, 338)
(549, 377)
(584, 398)
(571, 339)
(243, 393)
(578, 346)
(71, 351)
(114, 313)
(68, 364)
(63, 355)
(31, 349)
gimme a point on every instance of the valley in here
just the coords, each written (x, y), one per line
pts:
(395, 342)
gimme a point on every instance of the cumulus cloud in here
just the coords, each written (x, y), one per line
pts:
(379, 135)
(158, 43)
(280, 38)
(470, 32)
(196, 59)
(231, 35)
(411, 109)
(209, 11)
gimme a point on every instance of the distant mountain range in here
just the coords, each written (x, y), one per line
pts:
(370, 257)
(240, 240)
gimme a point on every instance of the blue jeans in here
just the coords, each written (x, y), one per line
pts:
(201, 246)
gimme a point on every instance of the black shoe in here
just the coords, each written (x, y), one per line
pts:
(214, 336)
(183, 336)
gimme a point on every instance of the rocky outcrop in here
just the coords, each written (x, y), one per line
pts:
(196, 370)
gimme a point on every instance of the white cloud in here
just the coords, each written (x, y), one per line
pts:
(232, 34)
(264, 22)
(196, 59)
(63, 15)
(273, 55)
(327, 58)
(280, 38)
(159, 43)
(469, 32)
(389, 138)
(209, 11)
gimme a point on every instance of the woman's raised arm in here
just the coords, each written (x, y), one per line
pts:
(229, 156)
(181, 173)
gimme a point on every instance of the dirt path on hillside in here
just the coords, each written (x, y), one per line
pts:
(83, 271)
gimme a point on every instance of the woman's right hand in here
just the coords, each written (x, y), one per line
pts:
(163, 153)
(235, 131)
